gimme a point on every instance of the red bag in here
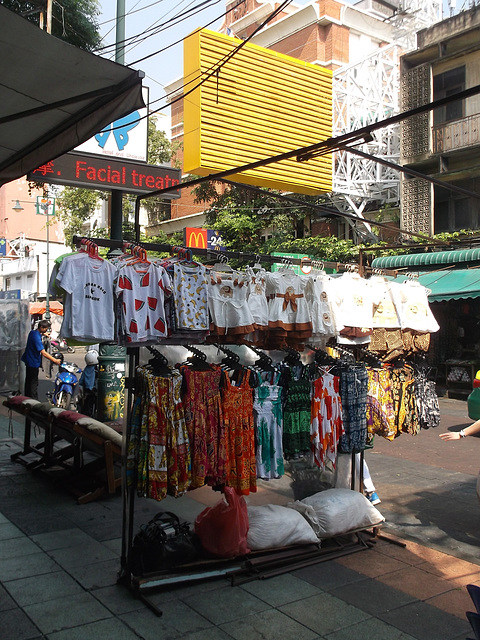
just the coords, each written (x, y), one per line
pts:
(223, 529)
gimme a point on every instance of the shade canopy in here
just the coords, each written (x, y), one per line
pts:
(423, 261)
(39, 308)
(450, 285)
(54, 96)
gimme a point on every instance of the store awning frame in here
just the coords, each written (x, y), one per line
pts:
(433, 260)
(54, 96)
(451, 284)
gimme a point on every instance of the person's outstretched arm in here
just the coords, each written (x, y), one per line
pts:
(457, 435)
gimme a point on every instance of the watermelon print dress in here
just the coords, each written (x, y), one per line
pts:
(141, 289)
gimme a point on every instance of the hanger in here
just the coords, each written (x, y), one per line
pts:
(222, 265)
(232, 361)
(159, 363)
(198, 359)
(292, 358)
(264, 362)
(90, 248)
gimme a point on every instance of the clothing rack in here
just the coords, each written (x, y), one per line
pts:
(241, 256)
(141, 585)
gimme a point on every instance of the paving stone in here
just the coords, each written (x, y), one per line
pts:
(371, 629)
(36, 564)
(324, 614)
(49, 586)
(118, 599)
(76, 556)
(17, 547)
(9, 530)
(281, 589)
(101, 630)
(15, 625)
(328, 575)
(61, 539)
(425, 622)
(372, 596)
(94, 576)
(6, 600)
(225, 605)
(177, 620)
(268, 625)
(66, 612)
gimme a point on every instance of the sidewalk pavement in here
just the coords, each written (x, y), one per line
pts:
(59, 560)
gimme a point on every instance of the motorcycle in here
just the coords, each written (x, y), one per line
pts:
(65, 382)
(61, 345)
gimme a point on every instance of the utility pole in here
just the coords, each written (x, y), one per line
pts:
(116, 209)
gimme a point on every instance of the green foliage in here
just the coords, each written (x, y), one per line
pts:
(74, 21)
(74, 208)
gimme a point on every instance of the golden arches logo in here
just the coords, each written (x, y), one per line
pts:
(197, 239)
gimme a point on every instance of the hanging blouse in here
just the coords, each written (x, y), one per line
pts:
(411, 301)
(323, 322)
(380, 406)
(268, 414)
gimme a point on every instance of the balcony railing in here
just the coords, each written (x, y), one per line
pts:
(457, 135)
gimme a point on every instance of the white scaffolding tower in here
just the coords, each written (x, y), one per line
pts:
(366, 92)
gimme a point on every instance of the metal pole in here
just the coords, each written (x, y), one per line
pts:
(47, 298)
(116, 208)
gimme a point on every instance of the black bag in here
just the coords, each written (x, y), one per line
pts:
(161, 544)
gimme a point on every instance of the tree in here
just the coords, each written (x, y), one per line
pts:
(75, 207)
(74, 21)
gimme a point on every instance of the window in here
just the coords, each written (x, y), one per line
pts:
(448, 84)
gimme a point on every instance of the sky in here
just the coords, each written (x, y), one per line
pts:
(159, 24)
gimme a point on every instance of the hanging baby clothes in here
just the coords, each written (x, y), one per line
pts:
(289, 319)
(230, 315)
(237, 403)
(205, 425)
(141, 288)
(159, 437)
(380, 406)
(321, 310)
(353, 391)
(190, 293)
(268, 413)
(352, 306)
(326, 418)
(258, 305)
(296, 412)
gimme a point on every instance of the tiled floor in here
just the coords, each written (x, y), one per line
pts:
(59, 564)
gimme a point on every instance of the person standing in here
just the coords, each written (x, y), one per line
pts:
(32, 357)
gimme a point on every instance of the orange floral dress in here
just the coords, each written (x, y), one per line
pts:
(238, 416)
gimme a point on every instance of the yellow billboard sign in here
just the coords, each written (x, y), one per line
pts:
(259, 104)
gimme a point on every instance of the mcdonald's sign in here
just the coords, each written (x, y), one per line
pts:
(196, 238)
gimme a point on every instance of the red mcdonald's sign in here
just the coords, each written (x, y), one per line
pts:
(196, 238)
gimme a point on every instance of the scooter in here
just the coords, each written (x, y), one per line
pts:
(65, 382)
(61, 345)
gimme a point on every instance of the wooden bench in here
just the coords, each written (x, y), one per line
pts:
(68, 437)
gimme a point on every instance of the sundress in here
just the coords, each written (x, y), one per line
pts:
(205, 425)
(268, 414)
(380, 408)
(296, 413)
(240, 433)
(163, 462)
(353, 391)
(326, 419)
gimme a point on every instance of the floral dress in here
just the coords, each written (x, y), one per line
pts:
(205, 425)
(240, 433)
(296, 412)
(267, 408)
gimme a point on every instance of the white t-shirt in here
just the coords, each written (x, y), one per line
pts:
(89, 281)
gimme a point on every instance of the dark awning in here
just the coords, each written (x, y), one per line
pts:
(54, 96)
(450, 285)
(422, 261)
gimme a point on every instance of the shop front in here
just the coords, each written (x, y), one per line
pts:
(454, 296)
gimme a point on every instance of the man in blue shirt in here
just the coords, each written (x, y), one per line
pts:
(32, 357)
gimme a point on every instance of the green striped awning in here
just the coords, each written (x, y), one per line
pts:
(449, 285)
(422, 261)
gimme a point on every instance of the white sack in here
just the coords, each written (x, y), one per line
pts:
(340, 511)
(272, 525)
